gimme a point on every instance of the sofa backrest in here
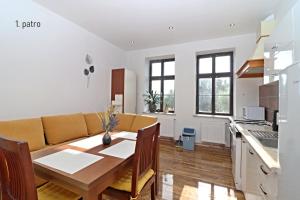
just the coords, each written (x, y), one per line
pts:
(125, 121)
(29, 130)
(93, 123)
(62, 128)
(142, 121)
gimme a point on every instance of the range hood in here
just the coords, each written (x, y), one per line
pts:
(254, 66)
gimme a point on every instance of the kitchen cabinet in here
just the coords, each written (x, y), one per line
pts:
(282, 48)
(123, 90)
(258, 181)
(252, 174)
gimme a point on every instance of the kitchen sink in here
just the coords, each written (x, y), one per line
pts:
(266, 138)
(273, 143)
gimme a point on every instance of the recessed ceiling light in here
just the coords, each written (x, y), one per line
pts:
(232, 25)
(171, 28)
(131, 42)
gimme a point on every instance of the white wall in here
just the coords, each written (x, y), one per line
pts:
(41, 69)
(246, 90)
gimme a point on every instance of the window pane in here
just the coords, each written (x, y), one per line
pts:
(222, 104)
(156, 86)
(223, 86)
(205, 65)
(205, 94)
(169, 96)
(169, 68)
(205, 86)
(222, 64)
(169, 103)
(156, 69)
(169, 87)
(205, 103)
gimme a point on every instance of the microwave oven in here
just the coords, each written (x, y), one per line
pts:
(254, 113)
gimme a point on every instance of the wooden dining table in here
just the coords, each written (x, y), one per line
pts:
(91, 180)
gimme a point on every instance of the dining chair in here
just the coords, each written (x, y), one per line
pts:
(142, 173)
(17, 176)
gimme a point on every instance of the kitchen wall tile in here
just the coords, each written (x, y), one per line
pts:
(269, 98)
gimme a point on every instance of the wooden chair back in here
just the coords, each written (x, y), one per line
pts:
(17, 176)
(145, 154)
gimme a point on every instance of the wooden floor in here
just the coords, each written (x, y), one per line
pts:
(204, 174)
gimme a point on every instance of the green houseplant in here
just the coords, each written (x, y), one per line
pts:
(151, 99)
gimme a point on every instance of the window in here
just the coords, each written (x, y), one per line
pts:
(162, 79)
(215, 84)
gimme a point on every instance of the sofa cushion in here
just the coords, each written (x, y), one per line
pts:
(93, 123)
(62, 128)
(29, 130)
(142, 121)
(125, 121)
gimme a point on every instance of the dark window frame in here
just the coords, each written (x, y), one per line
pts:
(162, 78)
(213, 76)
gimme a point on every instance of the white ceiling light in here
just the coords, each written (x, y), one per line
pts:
(171, 28)
(232, 25)
(131, 42)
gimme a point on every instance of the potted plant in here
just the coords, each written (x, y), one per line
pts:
(151, 99)
(109, 122)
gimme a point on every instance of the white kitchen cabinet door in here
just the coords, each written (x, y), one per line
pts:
(251, 171)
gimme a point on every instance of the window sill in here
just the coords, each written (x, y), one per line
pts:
(160, 113)
(213, 116)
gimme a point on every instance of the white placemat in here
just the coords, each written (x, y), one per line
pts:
(88, 143)
(69, 160)
(122, 149)
(126, 135)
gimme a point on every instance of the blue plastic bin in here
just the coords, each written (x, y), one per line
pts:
(188, 138)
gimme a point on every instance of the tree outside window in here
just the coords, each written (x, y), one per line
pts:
(215, 84)
(162, 79)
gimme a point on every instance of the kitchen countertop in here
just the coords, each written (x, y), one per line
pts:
(267, 154)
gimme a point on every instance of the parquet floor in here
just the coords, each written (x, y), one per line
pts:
(204, 174)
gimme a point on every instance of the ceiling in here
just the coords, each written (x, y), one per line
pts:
(147, 22)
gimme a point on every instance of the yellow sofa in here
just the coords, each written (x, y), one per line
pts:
(55, 130)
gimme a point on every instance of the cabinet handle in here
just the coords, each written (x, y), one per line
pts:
(262, 190)
(251, 152)
(264, 171)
